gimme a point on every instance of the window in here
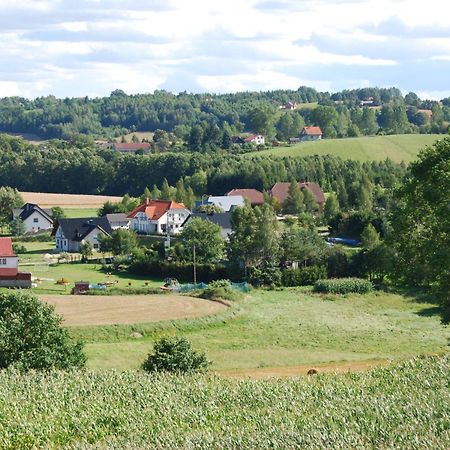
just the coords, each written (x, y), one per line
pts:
(3, 261)
(95, 245)
(36, 220)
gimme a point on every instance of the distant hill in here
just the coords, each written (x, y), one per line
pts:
(398, 148)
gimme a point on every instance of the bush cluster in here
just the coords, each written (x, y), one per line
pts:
(304, 276)
(220, 290)
(343, 286)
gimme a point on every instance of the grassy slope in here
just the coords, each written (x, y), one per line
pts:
(291, 327)
(397, 147)
(80, 212)
(404, 406)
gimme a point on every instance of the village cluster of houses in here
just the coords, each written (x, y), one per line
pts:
(307, 134)
(152, 217)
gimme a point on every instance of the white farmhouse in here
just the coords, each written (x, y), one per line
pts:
(71, 233)
(257, 139)
(34, 217)
(158, 217)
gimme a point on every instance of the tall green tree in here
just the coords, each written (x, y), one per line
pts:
(331, 209)
(32, 335)
(121, 242)
(262, 120)
(421, 223)
(294, 204)
(9, 199)
(165, 190)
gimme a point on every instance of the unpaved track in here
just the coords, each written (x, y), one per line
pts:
(261, 373)
(80, 310)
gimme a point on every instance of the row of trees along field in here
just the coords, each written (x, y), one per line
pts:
(60, 167)
(209, 119)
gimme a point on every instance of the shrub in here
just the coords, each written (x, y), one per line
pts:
(17, 249)
(39, 237)
(343, 286)
(220, 290)
(304, 276)
(31, 336)
(175, 355)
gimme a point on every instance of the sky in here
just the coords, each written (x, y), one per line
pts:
(73, 48)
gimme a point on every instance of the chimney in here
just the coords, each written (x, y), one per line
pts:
(147, 201)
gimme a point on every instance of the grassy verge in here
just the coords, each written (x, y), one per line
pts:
(288, 327)
(402, 406)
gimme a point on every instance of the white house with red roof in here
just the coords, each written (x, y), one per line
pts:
(158, 217)
(9, 271)
(311, 134)
(257, 139)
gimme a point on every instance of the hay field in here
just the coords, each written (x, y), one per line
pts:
(129, 309)
(47, 200)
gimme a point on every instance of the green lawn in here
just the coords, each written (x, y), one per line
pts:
(398, 148)
(35, 251)
(289, 327)
(80, 212)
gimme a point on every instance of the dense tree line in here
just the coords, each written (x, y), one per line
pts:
(211, 118)
(58, 167)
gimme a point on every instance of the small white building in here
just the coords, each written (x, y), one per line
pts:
(71, 233)
(34, 217)
(9, 267)
(226, 202)
(257, 139)
(311, 134)
(158, 217)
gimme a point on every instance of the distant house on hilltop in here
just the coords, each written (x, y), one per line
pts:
(254, 196)
(280, 192)
(289, 105)
(71, 233)
(9, 272)
(158, 217)
(34, 217)
(131, 147)
(311, 134)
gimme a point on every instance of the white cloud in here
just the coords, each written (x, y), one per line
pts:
(138, 46)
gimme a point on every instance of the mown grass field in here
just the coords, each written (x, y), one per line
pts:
(283, 328)
(81, 212)
(398, 148)
(404, 406)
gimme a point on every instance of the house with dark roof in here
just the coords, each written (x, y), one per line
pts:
(9, 272)
(71, 233)
(131, 147)
(254, 196)
(34, 217)
(280, 192)
(158, 217)
(311, 134)
(221, 219)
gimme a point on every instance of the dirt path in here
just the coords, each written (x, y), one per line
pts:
(108, 310)
(295, 371)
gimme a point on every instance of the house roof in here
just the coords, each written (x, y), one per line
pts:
(221, 219)
(29, 208)
(252, 137)
(131, 146)
(280, 191)
(312, 131)
(155, 209)
(227, 202)
(6, 248)
(117, 217)
(77, 229)
(252, 195)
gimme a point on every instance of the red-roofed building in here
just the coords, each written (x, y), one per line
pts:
(252, 195)
(131, 147)
(257, 139)
(9, 272)
(311, 134)
(158, 216)
(280, 191)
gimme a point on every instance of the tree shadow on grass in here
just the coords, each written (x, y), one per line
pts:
(430, 312)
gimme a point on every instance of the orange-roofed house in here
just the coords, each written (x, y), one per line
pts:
(9, 272)
(158, 217)
(310, 134)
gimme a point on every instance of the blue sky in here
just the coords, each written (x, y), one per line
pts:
(91, 47)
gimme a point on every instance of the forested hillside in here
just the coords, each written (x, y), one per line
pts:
(205, 118)
(60, 167)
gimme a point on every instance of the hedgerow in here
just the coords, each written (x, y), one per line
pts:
(343, 286)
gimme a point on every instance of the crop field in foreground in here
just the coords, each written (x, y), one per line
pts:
(285, 328)
(404, 406)
(398, 148)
